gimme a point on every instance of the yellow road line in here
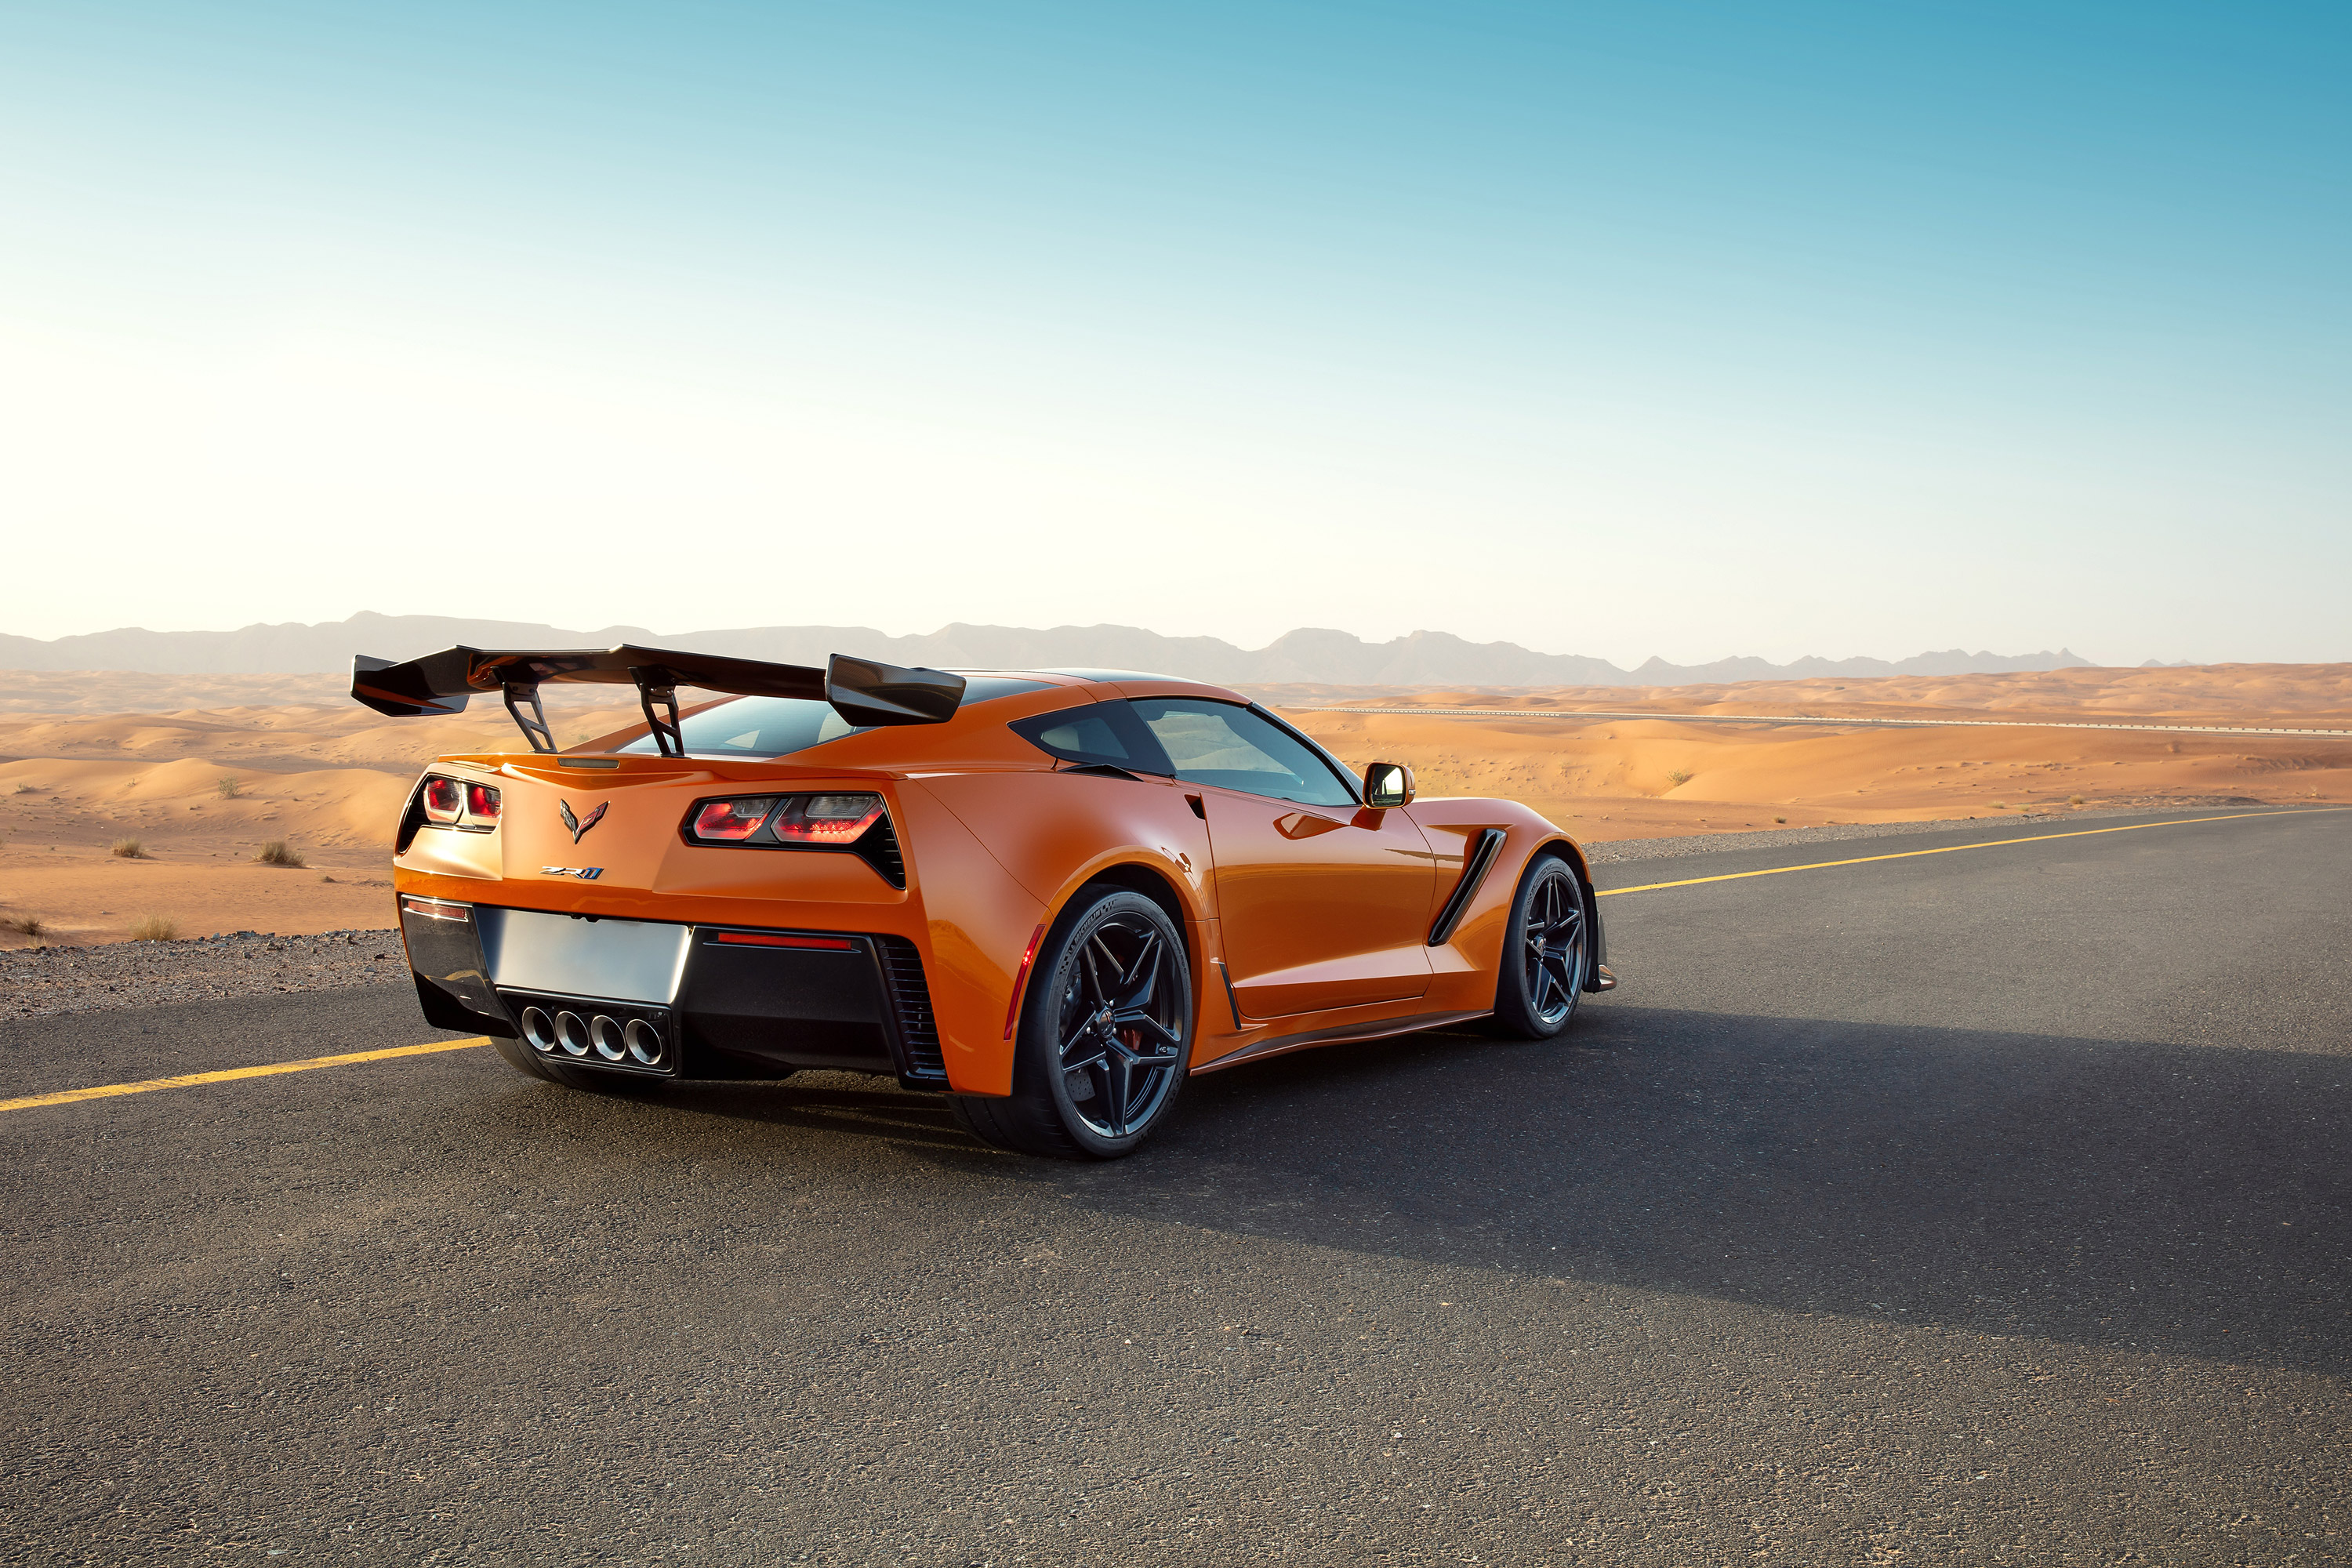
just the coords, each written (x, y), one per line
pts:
(189, 1080)
(1956, 849)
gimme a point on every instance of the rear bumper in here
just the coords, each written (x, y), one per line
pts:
(722, 1002)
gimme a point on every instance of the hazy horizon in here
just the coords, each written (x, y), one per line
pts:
(498, 631)
(1625, 331)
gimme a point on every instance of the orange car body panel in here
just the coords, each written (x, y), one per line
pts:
(1306, 924)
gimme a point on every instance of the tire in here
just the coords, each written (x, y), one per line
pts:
(1547, 952)
(1105, 1036)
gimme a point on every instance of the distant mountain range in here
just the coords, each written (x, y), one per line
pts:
(1307, 656)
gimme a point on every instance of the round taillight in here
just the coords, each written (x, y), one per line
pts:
(444, 801)
(731, 819)
(828, 818)
(482, 801)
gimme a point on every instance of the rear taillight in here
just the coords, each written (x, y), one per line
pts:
(452, 803)
(825, 818)
(444, 800)
(730, 821)
(814, 821)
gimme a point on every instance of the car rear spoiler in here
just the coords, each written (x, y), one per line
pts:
(861, 691)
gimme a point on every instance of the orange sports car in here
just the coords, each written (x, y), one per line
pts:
(1051, 895)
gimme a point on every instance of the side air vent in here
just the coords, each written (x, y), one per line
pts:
(918, 1030)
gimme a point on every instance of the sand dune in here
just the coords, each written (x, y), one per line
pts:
(2220, 693)
(328, 776)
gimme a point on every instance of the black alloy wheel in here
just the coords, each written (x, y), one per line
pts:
(1105, 1035)
(1547, 952)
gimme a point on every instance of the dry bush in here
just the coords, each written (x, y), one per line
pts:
(25, 789)
(154, 928)
(2076, 800)
(1679, 777)
(130, 849)
(277, 852)
(230, 786)
(25, 925)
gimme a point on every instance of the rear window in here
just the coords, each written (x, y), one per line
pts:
(779, 726)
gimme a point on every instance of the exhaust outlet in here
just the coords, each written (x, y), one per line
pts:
(572, 1032)
(605, 1036)
(645, 1041)
(539, 1029)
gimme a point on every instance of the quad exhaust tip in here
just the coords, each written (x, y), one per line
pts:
(610, 1038)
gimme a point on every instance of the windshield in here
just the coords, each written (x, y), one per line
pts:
(779, 726)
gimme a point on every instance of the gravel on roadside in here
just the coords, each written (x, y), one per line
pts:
(35, 982)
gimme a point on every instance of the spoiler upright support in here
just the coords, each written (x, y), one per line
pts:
(863, 692)
(657, 691)
(532, 725)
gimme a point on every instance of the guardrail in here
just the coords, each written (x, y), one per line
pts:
(1803, 719)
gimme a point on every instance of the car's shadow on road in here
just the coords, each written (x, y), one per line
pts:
(2163, 1197)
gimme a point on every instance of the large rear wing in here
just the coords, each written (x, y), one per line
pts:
(860, 690)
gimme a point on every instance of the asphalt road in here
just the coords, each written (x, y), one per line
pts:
(1986, 1207)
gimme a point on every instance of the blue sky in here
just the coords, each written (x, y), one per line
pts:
(1679, 329)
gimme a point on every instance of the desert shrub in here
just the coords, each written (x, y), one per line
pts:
(1779, 819)
(154, 928)
(25, 789)
(2076, 800)
(277, 852)
(230, 786)
(130, 849)
(1679, 777)
(25, 925)
(2001, 805)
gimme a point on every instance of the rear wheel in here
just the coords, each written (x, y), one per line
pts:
(1547, 952)
(1105, 1035)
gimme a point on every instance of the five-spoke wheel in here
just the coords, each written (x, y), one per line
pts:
(1547, 952)
(1106, 1032)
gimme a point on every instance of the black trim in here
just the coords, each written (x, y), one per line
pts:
(1379, 1028)
(922, 1063)
(1475, 866)
(1231, 1001)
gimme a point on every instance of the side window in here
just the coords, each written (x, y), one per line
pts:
(1100, 733)
(1232, 748)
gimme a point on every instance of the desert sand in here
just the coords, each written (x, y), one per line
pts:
(328, 777)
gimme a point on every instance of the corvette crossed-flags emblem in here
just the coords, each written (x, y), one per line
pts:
(578, 825)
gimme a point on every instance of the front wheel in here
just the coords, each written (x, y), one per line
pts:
(1547, 952)
(1105, 1035)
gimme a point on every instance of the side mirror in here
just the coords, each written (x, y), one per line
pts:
(1388, 784)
